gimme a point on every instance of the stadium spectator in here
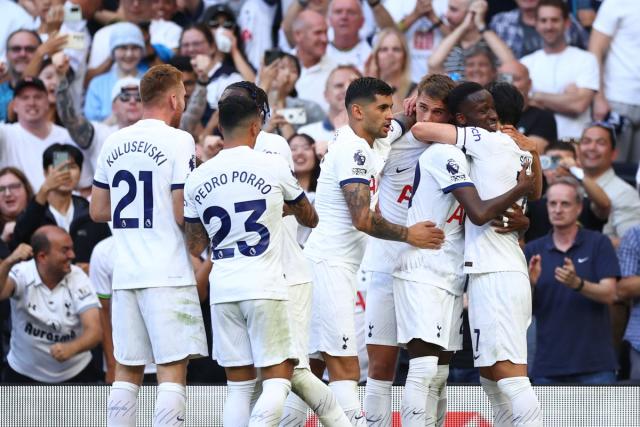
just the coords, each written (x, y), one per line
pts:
(629, 289)
(54, 204)
(306, 166)
(421, 22)
(345, 19)
(559, 163)
(596, 153)
(573, 272)
(23, 143)
(480, 65)
(256, 20)
(336, 88)
(127, 47)
(278, 80)
(13, 18)
(467, 19)
(389, 61)
(517, 28)
(21, 46)
(565, 78)
(614, 37)
(15, 193)
(183, 63)
(54, 312)
(310, 35)
(536, 123)
(163, 29)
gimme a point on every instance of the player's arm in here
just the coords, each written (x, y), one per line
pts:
(304, 211)
(202, 278)
(177, 203)
(196, 236)
(435, 132)
(107, 338)
(358, 198)
(481, 211)
(88, 339)
(527, 144)
(100, 205)
(7, 285)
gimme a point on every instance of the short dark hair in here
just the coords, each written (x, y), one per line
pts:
(256, 93)
(508, 101)
(157, 81)
(436, 86)
(182, 63)
(74, 153)
(366, 89)
(560, 4)
(561, 145)
(235, 111)
(610, 128)
(460, 94)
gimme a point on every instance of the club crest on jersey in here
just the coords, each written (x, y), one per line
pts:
(452, 167)
(192, 163)
(359, 158)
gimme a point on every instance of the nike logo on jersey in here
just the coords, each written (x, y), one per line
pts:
(476, 357)
(581, 260)
(398, 170)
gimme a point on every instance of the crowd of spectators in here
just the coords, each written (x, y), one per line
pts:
(69, 77)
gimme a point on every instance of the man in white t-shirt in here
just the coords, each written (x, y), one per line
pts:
(14, 17)
(345, 20)
(138, 185)
(336, 246)
(22, 143)
(234, 202)
(565, 78)
(54, 311)
(615, 38)
(499, 291)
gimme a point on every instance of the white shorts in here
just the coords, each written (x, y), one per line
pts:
(253, 332)
(428, 313)
(380, 316)
(332, 328)
(499, 315)
(160, 325)
(300, 316)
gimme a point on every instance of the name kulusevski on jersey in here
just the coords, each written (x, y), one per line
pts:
(140, 165)
(238, 196)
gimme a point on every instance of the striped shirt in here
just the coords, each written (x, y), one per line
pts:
(629, 257)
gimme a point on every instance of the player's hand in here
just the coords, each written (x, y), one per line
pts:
(425, 235)
(511, 220)
(535, 269)
(567, 274)
(22, 253)
(521, 140)
(409, 106)
(526, 181)
(61, 351)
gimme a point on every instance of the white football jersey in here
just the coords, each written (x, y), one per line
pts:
(140, 165)
(350, 159)
(495, 161)
(440, 170)
(295, 265)
(394, 193)
(238, 196)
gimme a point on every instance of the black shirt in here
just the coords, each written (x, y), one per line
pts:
(538, 122)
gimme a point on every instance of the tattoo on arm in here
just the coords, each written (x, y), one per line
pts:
(80, 129)
(195, 109)
(364, 219)
(196, 236)
(305, 212)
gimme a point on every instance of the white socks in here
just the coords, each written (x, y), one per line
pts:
(500, 403)
(122, 406)
(422, 370)
(317, 396)
(237, 405)
(437, 397)
(268, 408)
(524, 402)
(170, 405)
(377, 402)
(294, 413)
(346, 392)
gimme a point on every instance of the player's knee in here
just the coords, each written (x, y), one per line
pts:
(507, 369)
(343, 368)
(419, 348)
(382, 366)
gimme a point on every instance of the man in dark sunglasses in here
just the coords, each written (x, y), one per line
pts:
(21, 45)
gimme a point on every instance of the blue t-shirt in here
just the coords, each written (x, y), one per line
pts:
(6, 95)
(573, 332)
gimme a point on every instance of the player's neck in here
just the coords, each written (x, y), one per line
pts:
(158, 114)
(358, 130)
(563, 237)
(239, 142)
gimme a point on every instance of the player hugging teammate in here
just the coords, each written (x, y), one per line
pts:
(429, 222)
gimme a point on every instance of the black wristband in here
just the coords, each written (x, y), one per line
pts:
(483, 29)
(580, 286)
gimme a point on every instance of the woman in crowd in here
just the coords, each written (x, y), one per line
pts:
(15, 193)
(307, 169)
(389, 61)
